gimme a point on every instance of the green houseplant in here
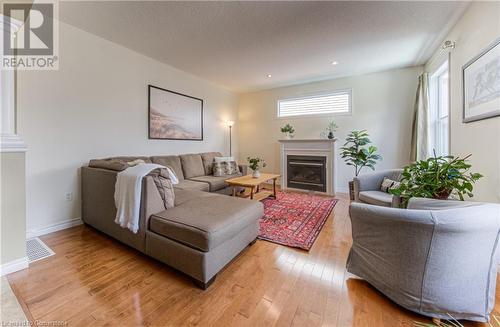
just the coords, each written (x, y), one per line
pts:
(255, 163)
(358, 153)
(288, 130)
(438, 178)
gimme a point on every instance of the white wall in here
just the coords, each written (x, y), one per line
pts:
(475, 31)
(382, 104)
(96, 106)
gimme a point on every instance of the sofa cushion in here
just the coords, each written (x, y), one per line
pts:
(208, 161)
(206, 222)
(378, 198)
(173, 161)
(192, 165)
(187, 184)
(215, 183)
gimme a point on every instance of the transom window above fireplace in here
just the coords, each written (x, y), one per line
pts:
(337, 102)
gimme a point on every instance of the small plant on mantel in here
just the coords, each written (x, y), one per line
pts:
(358, 153)
(438, 178)
(330, 130)
(255, 163)
(288, 130)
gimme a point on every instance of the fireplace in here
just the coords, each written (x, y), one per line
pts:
(306, 172)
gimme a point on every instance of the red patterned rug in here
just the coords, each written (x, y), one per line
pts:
(294, 219)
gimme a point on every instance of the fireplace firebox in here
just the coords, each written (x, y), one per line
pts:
(306, 172)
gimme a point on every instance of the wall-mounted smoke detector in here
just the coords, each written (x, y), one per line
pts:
(448, 45)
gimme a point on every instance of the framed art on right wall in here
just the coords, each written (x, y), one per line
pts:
(481, 85)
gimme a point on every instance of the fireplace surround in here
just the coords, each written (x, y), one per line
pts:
(308, 165)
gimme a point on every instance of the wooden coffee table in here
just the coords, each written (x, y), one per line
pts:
(254, 185)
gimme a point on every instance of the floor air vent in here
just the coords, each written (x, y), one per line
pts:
(37, 250)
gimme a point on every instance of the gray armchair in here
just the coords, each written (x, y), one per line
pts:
(434, 258)
(367, 188)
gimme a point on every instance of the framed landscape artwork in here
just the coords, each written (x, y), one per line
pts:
(174, 116)
(481, 85)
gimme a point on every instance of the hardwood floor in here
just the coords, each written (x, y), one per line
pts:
(93, 280)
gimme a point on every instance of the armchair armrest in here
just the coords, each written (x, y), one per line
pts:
(434, 204)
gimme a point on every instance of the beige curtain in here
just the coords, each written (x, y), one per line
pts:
(420, 132)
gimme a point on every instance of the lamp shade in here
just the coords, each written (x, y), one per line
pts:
(229, 123)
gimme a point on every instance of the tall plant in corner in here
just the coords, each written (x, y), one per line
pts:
(358, 152)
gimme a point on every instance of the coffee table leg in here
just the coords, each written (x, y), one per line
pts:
(274, 188)
(251, 193)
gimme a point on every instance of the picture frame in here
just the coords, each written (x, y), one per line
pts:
(174, 116)
(481, 85)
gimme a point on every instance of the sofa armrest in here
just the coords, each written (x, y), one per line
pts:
(243, 169)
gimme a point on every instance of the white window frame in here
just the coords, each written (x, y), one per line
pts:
(437, 118)
(312, 95)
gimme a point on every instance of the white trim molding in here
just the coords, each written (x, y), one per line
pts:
(13, 266)
(12, 143)
(53, 227)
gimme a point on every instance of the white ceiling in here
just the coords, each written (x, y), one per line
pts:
(237, 44)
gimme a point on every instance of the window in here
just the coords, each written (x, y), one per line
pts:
(439, 110)
(338, 102)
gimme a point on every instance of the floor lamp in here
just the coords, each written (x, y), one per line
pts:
(230, 125)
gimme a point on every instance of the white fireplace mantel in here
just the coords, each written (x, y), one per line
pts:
(310, 147)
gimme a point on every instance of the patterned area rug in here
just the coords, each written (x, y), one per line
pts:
(294, 219)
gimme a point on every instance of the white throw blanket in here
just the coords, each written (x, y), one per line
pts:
(128, 190)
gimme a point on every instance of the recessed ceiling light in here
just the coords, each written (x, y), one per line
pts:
(334, 63)
(269, 75)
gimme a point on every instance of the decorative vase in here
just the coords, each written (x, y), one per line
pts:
(351, 190)
(256, 174)
(330, 135)
(288, 136)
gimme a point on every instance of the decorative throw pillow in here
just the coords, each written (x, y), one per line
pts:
(225, 168)
(223, 159)
(388, 184)
(161, 178)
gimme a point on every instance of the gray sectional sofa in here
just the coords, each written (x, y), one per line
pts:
(204, 231)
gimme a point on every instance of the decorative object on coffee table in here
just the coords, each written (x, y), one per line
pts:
(254, 184)
(358, 153)
(330, 130)
(174, 116)
(481, 85)
(438, 178)
(295, 219)
(255, 164)
(288, 130)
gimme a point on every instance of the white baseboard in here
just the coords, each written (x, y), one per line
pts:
(54, 227)
(13, 266)
(342, 189)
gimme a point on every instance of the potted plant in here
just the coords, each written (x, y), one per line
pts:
(330, 130)
(288, 130)
(438, 178)
(358, 153)
(255, 164)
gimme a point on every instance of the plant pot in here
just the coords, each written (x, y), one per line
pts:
(351, 190)
(256, 174)
(442, 195)
(330, 136)
(288, 136)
